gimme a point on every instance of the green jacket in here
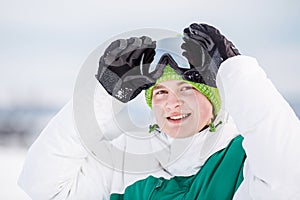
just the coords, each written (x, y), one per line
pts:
(218, 179)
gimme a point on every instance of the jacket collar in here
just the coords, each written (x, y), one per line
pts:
(185, 156)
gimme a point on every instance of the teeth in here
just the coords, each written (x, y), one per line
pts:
(179, 116)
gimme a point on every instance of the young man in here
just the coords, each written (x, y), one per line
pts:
(193, 88)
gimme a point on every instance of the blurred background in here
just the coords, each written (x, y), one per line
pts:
(43, 44)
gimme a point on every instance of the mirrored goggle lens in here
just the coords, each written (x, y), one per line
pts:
(171, 48)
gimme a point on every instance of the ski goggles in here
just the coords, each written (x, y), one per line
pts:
(187, 57)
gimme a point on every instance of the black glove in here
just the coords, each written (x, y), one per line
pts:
(211, 39)
(123, 68)
(205, 48)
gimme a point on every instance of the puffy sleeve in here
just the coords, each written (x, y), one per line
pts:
(59, 167)
(270, 128)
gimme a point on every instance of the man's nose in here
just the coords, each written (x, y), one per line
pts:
(173, 101)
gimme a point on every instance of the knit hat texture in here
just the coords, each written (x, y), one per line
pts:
(211, 93)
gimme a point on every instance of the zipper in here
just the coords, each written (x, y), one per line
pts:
(158, 184)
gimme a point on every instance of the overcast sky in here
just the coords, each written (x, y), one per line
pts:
(43, 43)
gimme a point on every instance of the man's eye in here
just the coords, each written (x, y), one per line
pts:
(160, 92)
(185, 88)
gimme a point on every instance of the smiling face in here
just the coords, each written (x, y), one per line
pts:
(180, 109)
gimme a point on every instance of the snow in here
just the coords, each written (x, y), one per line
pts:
(12, 159)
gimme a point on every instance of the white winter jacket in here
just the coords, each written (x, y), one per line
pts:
(59, 166)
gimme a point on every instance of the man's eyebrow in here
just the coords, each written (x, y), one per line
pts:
(182, 83)
(158, 87)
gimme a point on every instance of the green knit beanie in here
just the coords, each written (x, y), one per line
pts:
(211, 93)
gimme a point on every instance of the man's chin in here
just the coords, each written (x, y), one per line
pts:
(178, 134)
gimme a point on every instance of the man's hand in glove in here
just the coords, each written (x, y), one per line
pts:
(206, 48)
(211, 39)
(123, 67)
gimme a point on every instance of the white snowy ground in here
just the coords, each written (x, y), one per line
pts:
(11, 161)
